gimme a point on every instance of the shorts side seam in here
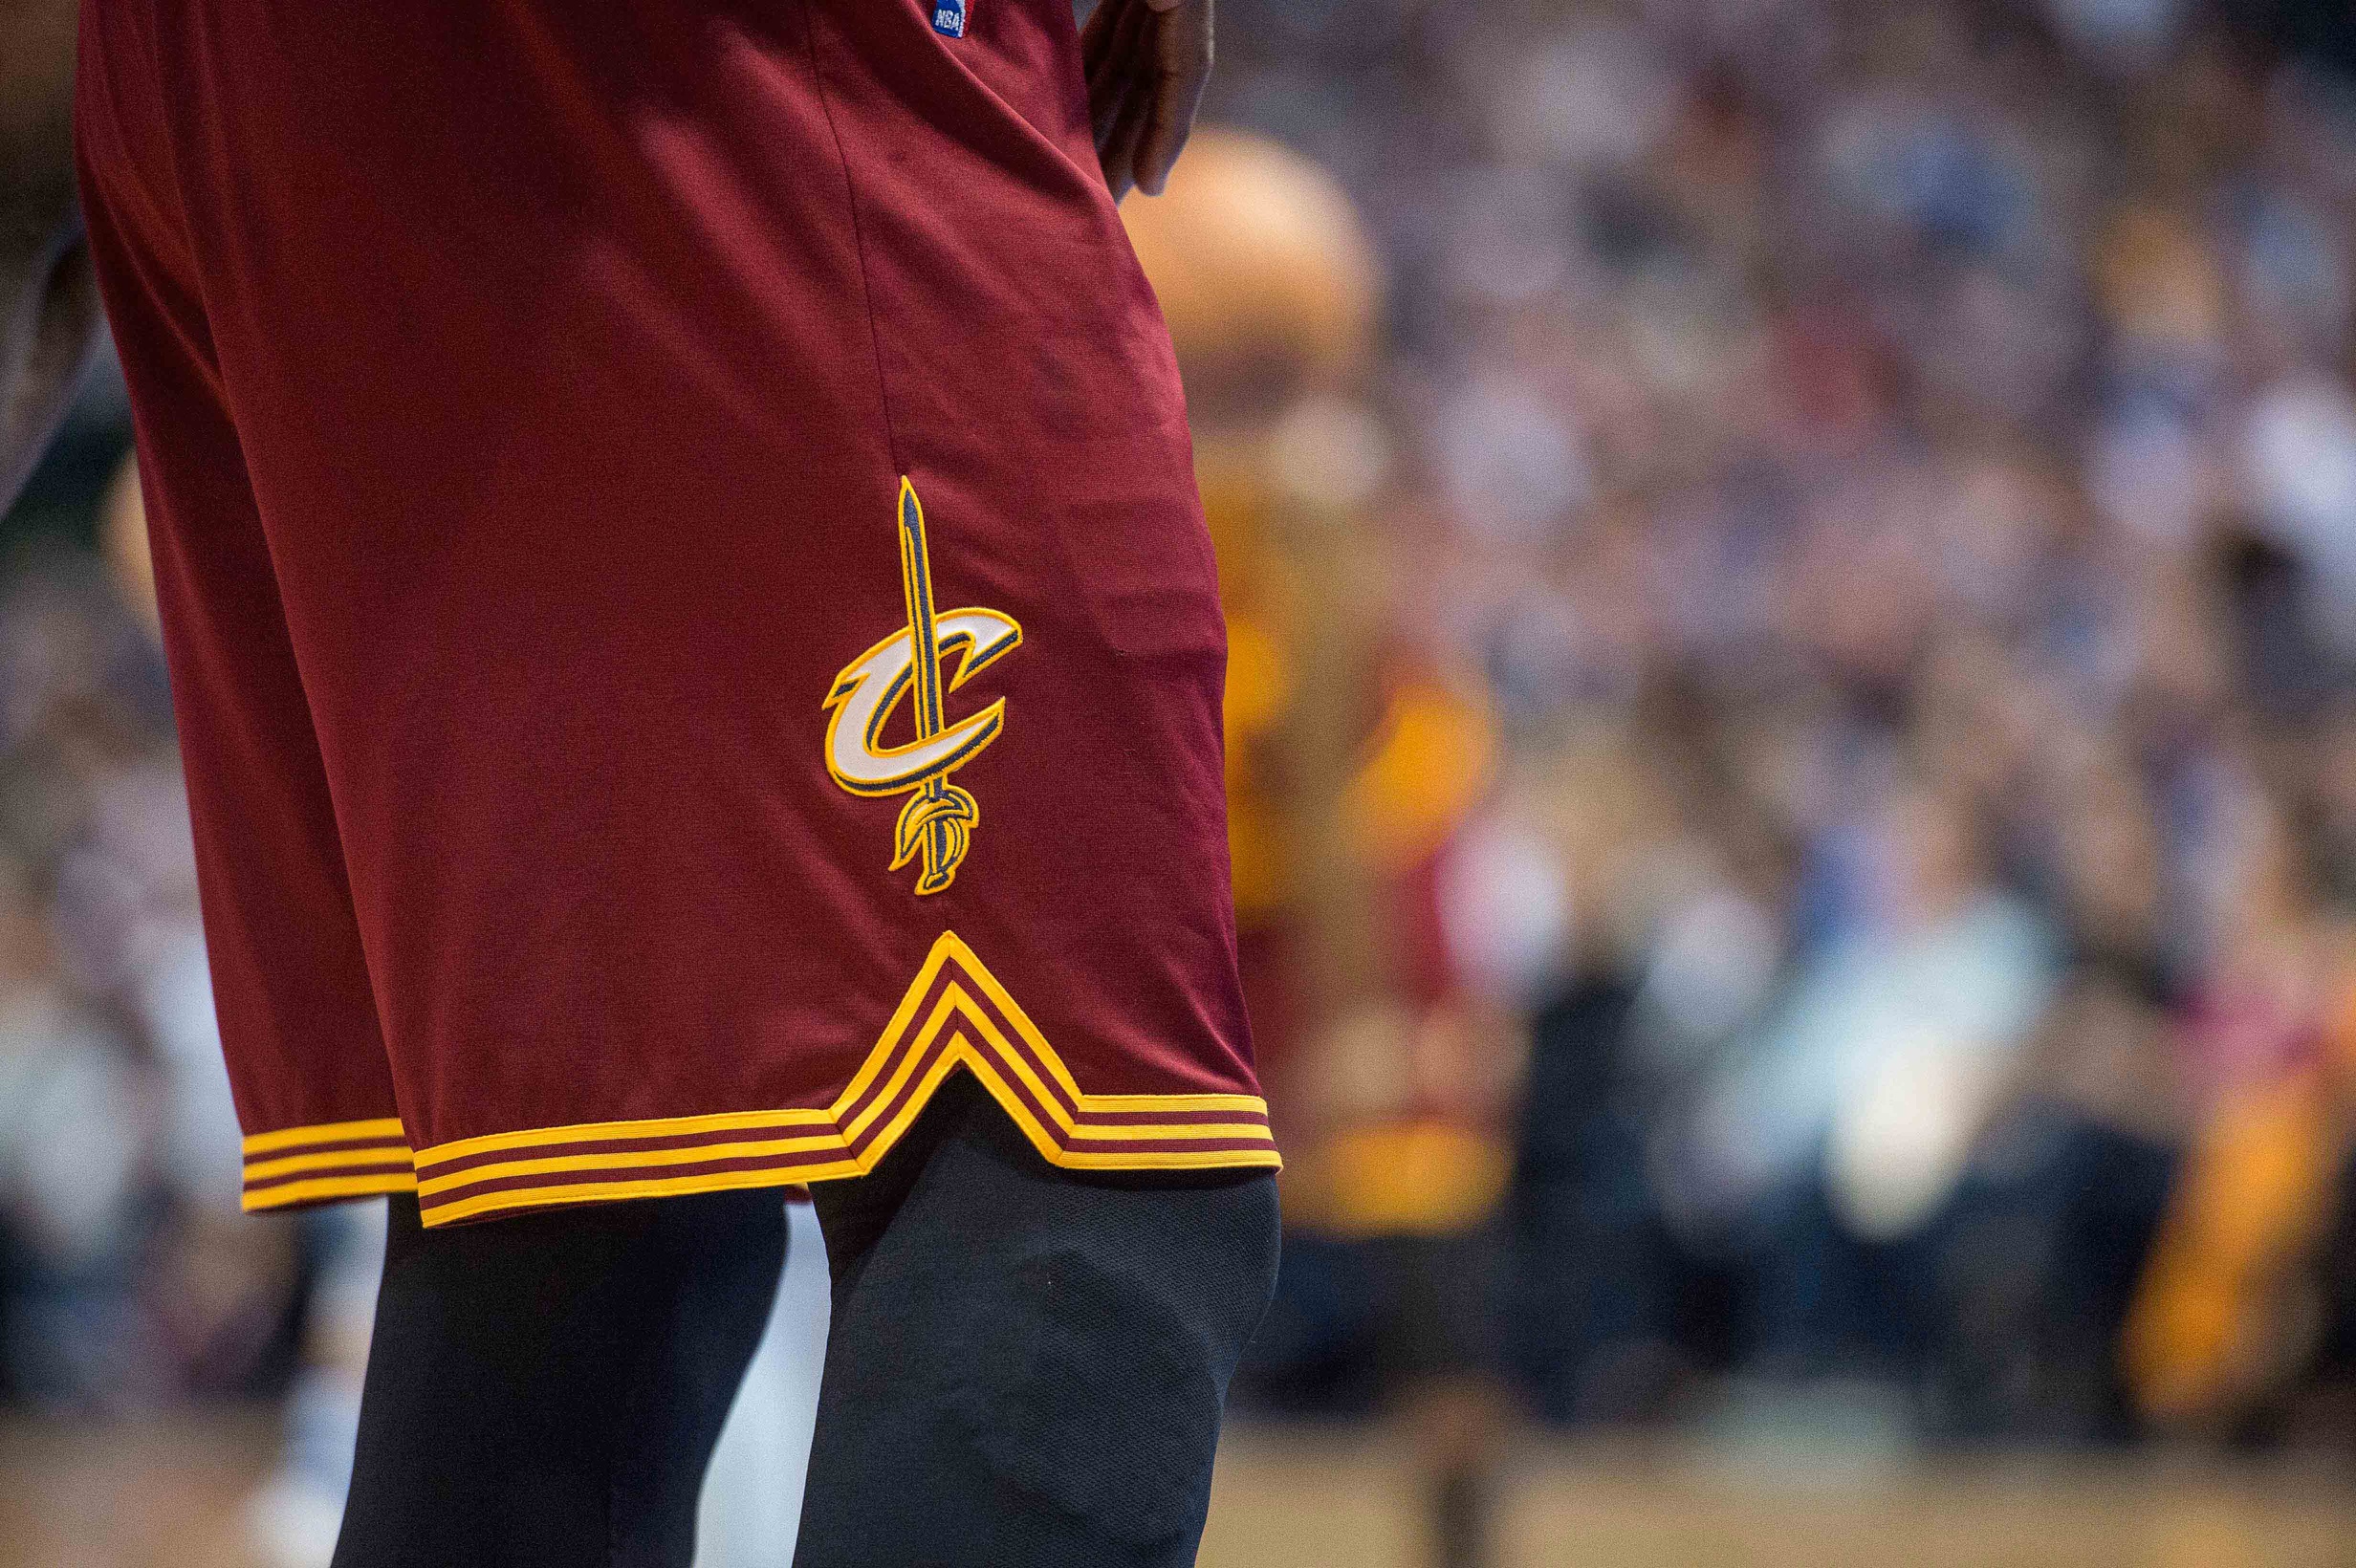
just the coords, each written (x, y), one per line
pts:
(859, 242)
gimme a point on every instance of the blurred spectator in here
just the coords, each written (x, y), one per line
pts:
(1892, 470)
(127, 1277)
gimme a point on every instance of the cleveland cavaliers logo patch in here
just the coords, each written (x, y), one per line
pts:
(937, 823)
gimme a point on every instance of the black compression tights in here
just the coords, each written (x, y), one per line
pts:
(1025, 1369)
(545, 1391)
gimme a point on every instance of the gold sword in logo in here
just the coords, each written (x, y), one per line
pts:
(940, 817)
(937, 822)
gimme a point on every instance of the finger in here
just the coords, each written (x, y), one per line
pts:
(1106, 102)
(1119, 69)
(1119, 157)
(1098, 36)
(1118, 36)
(1183, 68)
(1124, 97)
(1117, 151)
(1113, 108)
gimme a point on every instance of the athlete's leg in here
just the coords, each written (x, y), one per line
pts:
(546, 1390)
(1027, 1363)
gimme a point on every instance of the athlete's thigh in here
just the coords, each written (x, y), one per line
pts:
(547, 1390)
(1027, 1365)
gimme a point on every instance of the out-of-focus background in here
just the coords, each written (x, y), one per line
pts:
(1792, 570)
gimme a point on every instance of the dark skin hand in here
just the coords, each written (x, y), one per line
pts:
(1147, 61)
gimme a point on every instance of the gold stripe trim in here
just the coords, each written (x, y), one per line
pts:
(887, 1070)
(540, 1197)
(885, 1056)
(261, 1171)
(329, 1187)
(960, 1054)
(610, 1131)
(692, 1154)
(325, 1132)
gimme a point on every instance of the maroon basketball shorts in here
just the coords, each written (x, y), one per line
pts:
(687, 606)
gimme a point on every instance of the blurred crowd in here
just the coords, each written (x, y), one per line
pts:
(127, 1277)
(1877, 486)
(1889, 473)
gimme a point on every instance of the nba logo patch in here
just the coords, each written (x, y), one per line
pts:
(949, 18)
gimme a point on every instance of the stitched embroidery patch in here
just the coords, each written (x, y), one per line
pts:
(937, 823)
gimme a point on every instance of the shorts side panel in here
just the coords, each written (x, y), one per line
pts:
(306, 1060)
(538, 340)
(1036, 401)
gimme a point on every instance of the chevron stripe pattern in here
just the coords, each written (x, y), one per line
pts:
(955, 1015)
